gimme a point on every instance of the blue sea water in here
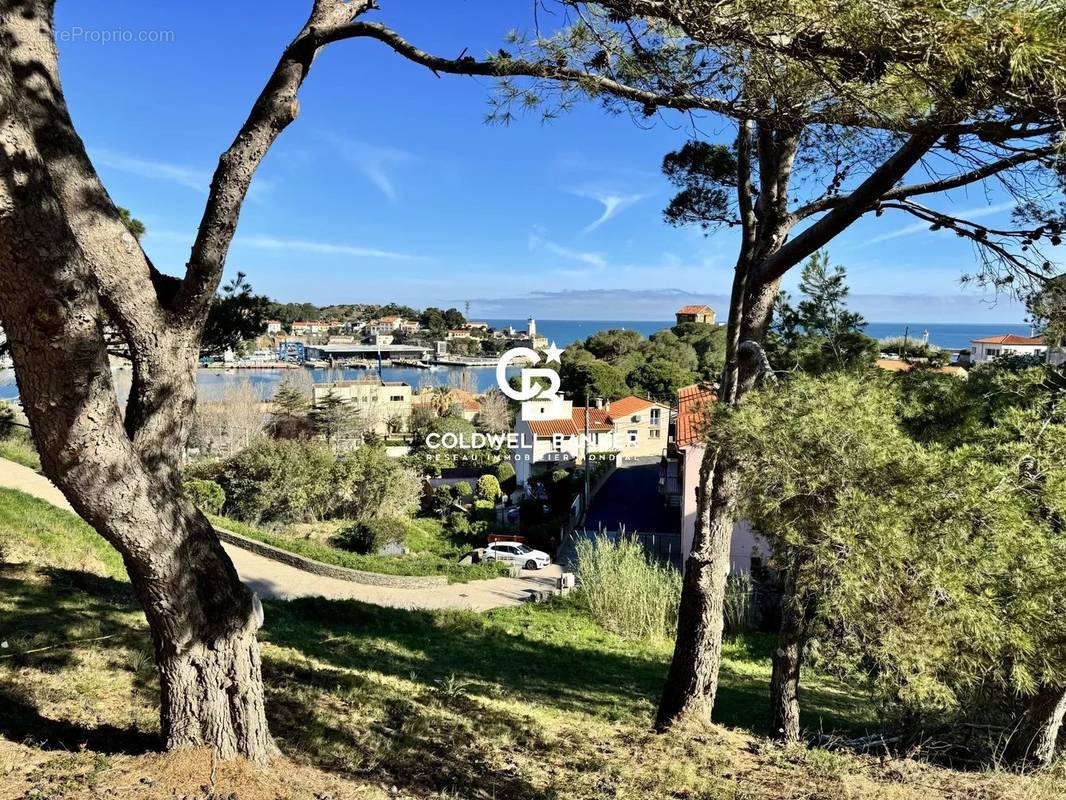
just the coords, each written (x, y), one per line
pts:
(953, 336)
(563, 332)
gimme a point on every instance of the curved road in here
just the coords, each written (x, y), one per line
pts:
(273, 579)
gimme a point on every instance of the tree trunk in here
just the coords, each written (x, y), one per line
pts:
(1035, 742)
(785, 674)
(201, 617)
(692, 682)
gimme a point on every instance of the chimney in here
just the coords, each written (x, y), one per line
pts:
(599, 402)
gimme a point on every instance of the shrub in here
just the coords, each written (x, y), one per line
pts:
(484, 510)
(459, 524)
(506, 476)
(279, 481)
(463, 489)
(207, 495)
(442, 502)
(368, 484)
(370, 536)
(488, 488)
(624, 591)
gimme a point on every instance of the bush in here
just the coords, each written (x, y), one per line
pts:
(369, 484)
(506, 476)
(459, 524)
(207, 495)
(484, 510)
(367, 538)
(463, 489)
(488, 488)
(624, 591)
(279, 481)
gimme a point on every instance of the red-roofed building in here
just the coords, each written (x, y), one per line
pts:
(552, 435)
(990, 348)
(696, 313)
(679, 475)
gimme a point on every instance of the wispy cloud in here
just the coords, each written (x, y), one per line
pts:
(969, 213)
(189, 177)
(538, 242)
(613, 203)
(284, 244)
(321, 248)
(199, 180)
(376, 162)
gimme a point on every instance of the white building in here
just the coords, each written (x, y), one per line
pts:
(992, 347)
(273, 326)
(552, 435)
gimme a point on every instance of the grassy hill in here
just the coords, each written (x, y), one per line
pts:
(527, 703)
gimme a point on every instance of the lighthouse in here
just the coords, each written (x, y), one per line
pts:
(531, 327)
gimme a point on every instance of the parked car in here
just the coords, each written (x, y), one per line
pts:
(517, 553)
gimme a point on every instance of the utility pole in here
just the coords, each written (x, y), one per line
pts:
(903, 350)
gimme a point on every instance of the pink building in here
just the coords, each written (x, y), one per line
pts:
(680, 476)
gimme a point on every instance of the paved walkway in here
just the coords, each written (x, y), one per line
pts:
(272, 579)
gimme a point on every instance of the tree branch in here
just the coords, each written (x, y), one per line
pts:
(934, 187)
(854, 205)
(274, 109)
(511, 67)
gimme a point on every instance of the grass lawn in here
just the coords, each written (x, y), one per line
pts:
(18, 447)
(432, 551)
(529, 703)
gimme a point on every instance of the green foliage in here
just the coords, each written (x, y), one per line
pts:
(624, 591)
(463, 489)
(932, 566)
(133, 225)
(819, 334)
(442, 501)
(207, 495)
(289, 411)
(279, 481)
(334, 418)
(703, 174)
(372, 535)
(505, 474)
(236, 315)
(488, 488)
(368, 484)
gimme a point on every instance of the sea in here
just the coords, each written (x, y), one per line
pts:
(214, 383)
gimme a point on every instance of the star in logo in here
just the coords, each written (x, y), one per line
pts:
(553, 353)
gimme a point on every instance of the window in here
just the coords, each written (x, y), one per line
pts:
(634, 437)
(396, 398)
(992, 351)
(654, 416)
(655, 433)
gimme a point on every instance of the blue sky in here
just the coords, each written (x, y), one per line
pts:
(390, 187)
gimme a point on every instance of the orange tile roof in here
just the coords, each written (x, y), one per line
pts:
(628, 405)
(599, 422)
(693, 309)
(551, 427)
(1010, 338)
(692, 408)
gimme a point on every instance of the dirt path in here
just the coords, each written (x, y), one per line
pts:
(272, 579)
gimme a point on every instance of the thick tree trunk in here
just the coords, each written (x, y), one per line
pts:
(785, 674)
(201, 617)
(1035, 742)
(692, 682)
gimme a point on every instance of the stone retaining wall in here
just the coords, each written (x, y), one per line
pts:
(330, 570)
